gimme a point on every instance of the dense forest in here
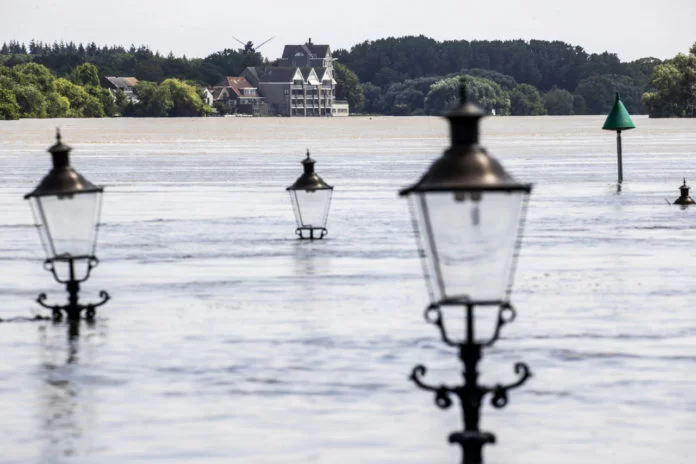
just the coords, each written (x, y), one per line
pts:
(561, 78)
(406, 76)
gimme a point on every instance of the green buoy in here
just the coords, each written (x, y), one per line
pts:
(618, 120)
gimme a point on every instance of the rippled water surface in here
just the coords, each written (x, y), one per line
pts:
(228, 340)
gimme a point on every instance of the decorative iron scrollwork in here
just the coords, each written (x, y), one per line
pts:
(73, 308)
(500, 399)
(471, 393)
(433, 315)
(442, 398)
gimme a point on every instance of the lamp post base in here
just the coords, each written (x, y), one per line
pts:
(311, 233)
(73, 309)
(472, 444)
(72, 285)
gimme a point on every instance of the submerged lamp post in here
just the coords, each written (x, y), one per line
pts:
(469, 215)
(684, 198)
(66, 209)
(618, 120)
(311, 197)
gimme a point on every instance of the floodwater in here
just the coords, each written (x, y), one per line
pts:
(228, 340)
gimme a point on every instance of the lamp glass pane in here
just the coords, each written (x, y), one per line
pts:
(311, 207)
(468, 242)
(67, 223)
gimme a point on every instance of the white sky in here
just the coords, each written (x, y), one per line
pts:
(630, 28)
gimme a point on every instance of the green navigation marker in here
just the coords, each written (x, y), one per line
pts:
(618, 120)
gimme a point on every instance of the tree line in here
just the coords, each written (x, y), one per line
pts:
(31, 90)
(410, 75)
(140, 62)
(561, 78)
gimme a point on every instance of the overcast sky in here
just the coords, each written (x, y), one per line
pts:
(630, 28)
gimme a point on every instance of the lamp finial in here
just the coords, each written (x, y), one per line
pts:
(58, 134)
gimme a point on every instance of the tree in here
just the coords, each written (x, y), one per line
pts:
(599, 92)
(9, 109)
(374, 103)
(171, 98)
(120, 100)
(409, 95)
(526, 101)
(82, 104)
(31, 102)
(57, 105)
(674, 84)
(558, 102)
(85, 75)
(185, 98)
(154, 102)
(105, 98)
(506, 82)
(220, 107)
(34, 74)
(579, 104)
(444, 94)
(348, 88)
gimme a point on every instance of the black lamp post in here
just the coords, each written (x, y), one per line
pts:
(310, 197)
(469, 215)
(684, 198)
(66, 209)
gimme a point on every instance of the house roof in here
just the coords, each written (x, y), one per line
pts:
(219, 92)
(309, 49)
(306, 71)
(122, 82)
(279, 74)
(236, 83)
(252, 75)
(320, 51)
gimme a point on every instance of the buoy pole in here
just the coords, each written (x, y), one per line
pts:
(618, 155)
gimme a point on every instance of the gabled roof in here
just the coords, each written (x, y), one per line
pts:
(236, 83)
(324, 74)
(279, 74)
(252, 75)
(310, 75)
(320, 51)
(220, 93)
(122, 82)
(308, 49)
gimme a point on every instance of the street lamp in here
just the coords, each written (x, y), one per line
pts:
(469, 215)
(310, 197)
(66, 209)
(684, 199)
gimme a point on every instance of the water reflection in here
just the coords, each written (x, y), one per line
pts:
(66, 413)
(304, 260)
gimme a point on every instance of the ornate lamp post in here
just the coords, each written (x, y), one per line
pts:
(684, 198)
(66, 209)
(311, 197)
(469, 215)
